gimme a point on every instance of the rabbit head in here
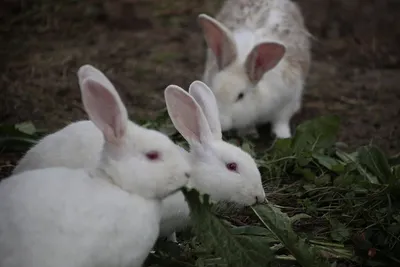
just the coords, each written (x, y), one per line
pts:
(139, 160)
(220, 169)
(239, 67)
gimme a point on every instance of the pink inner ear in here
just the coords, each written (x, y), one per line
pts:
(259, 62)
(207, 102)
(220, 44)
(213, 37)
(263, 58)
(104, 110)
(183, 112)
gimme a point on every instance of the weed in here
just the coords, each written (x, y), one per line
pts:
(326, 206)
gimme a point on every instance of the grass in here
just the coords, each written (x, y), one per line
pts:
(326, 206)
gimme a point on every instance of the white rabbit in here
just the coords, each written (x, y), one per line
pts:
(107, 215)
(222, 170)
(84, 140)
(258, 57)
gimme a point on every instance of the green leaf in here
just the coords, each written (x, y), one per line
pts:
(316, 134)
(298, 217)
(307, 174)
(236, 250)
(19, 137)
(395, 160)
(304, 158)
(339, 232)
(250, 230)
(26, 127)
(329, 162)
(373, 159)
(396, 172)
(280, 225)
(282, 147)
(260, 234)
(249, 148)
(324, 180)
(353, 159)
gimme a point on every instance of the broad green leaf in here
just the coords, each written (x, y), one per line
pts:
(156, 259)
(26, 127)
(339, 232)
(344, 180)
(236, 250)
(329, 162)
(396, 172)
(395, 160)
(353, 158)
(168, 129)
(346, 157)
(304, 158)
(298, 217)
(307, 174)
(282, 147)
(251, 230)
(373, 159)
(324, 180)
(249, 148)
(280, 225)
(315, 134)
(19, 137)
(256, 233)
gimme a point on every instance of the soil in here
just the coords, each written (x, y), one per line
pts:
(144, 45)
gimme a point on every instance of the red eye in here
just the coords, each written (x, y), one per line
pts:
(232, 166)
(153, 155)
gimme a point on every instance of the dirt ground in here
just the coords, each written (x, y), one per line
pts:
(355, 72)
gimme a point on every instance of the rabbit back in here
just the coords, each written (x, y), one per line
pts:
(77, 145)
(63, 217)
(270, 20)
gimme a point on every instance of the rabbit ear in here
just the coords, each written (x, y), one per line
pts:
(186, 115)
(206, 99)
(262, 58)
(104, 107)
(87, 71)
(219, 40)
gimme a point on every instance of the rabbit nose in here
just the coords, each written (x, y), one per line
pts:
(260, 199)
(187, 175)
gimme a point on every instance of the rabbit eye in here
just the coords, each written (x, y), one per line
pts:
(240, 96)
(232, 166)
(153, 155)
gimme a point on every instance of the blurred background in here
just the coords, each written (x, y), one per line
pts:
(144, 45)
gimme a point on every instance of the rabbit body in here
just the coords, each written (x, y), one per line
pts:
(75, 220)
(257, 61)
(107, 213)
(77, 145)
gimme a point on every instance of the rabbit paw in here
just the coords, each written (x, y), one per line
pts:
(281, 130)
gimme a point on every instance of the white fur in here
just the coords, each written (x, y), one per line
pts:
(105, 215)
(207, 159)
(195, 116)
(75, 146)
(277, 95)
